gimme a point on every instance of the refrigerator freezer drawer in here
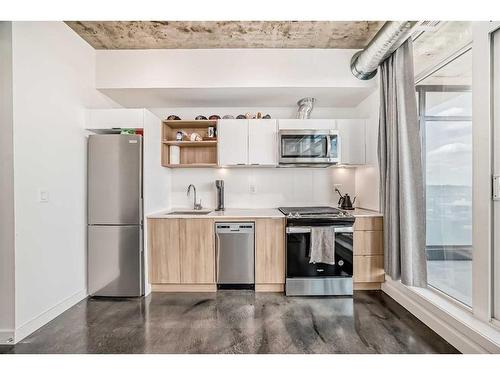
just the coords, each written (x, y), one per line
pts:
(115, 261)
(114, 179)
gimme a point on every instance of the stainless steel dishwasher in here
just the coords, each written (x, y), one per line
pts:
(235, 244)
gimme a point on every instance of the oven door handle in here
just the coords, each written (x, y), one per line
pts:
(308, 229)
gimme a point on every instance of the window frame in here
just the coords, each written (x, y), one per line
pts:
(421, 91)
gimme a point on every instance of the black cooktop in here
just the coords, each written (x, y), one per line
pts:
(319, 210)
(316, 214)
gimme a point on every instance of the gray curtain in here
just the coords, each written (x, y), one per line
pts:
(401, 175)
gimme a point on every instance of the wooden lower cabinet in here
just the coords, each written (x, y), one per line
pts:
(368, 269)
(197, 251)
(181, 253)
(368, 250)
(164, 251)
(269, 254)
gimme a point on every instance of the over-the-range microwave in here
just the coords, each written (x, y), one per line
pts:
(309, 148)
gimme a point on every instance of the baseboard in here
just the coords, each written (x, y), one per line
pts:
(45, 317)
(269, 287)
(6, 337)
(173, 288)
(467, 334)
(366, 286)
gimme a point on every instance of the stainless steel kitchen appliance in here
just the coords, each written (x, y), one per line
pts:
(235, 243)
(312, 148)
(115, 237)
(219, 184)
(304, 278)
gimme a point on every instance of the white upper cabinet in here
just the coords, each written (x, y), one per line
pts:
(306, 124)
(255, 142)
(233, 142)
(262, 142)
(353, 141)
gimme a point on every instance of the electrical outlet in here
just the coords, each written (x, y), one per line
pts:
(43, 196)
(252, 189)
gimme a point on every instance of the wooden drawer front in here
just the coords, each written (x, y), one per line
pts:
(269, 251)
(368, 242)
(368, 268)
(197, 251)
(164, 251)
(369, 223)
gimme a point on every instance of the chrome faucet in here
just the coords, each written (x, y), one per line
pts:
(196, 206)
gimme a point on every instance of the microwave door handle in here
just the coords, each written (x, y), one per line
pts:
(328, 146)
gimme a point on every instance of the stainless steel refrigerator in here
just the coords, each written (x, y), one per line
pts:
(115, 224)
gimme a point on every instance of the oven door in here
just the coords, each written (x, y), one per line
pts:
(298, 243)
(308, 147)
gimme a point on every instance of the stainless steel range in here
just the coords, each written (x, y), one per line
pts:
(305, 278)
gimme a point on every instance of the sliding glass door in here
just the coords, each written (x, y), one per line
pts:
(496, 174)
(445, 111)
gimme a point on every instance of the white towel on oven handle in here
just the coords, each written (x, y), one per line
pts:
(322, 245)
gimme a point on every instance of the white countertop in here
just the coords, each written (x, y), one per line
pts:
(243, 213)
(228, 213)
(363, 212)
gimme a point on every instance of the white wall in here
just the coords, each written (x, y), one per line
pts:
(189, 113)
(274, 187)
(54, 80)
(203, 68)
(367, 177)
(7, 321)
(156, 179)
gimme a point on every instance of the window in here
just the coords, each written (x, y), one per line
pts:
(445, 110)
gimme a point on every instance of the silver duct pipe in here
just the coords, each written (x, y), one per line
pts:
(364, 63)
(305, 107)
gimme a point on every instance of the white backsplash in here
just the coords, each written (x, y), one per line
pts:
(274, 187)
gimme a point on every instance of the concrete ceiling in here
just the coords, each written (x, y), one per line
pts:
(225, 34)
(456, 72)
(434, 46)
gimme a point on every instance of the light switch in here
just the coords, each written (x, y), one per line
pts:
(253, 189)
(43, 196)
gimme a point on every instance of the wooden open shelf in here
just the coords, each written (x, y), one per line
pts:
(191, 144)
(189, 124)
(192, 165)
(197, 154)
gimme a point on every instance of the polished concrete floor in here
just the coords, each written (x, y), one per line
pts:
(235, 322)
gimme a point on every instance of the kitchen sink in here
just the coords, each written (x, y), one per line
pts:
(191, 212)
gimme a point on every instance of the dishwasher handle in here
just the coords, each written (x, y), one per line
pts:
(235, 228)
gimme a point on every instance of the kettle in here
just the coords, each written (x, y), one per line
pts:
(345, 201)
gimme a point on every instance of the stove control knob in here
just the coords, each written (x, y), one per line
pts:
(341, 263)
(290, 215)
(297, 215)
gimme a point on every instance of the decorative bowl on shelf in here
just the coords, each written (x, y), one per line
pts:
(173, 117)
